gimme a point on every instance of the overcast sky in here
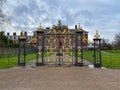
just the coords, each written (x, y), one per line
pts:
(101, 15)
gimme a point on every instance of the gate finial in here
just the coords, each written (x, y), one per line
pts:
(40, 27)
(97, 36)
(79, 27)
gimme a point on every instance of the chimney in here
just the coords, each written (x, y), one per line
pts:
(75, 26)
(25, 33)
(8, 34)
(14, 34)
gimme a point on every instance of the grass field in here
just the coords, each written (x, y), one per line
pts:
(12, 61)
(9, 61)
(110, 58)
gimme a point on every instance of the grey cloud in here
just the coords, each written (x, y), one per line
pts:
(95, 14)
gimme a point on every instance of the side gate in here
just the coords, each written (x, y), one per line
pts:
(27, 51)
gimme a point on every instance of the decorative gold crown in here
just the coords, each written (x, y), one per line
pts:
(97, 36)
(22, 35)
(40, 27)
(79, 27)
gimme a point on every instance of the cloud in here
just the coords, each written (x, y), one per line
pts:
(103, 15)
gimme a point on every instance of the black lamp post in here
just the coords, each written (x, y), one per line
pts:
(40, 46)
(79, 46)
(22, 49)
(97, 50)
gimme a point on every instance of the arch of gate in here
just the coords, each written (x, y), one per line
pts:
(59, 45)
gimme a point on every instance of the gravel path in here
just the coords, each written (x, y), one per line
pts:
(59, 78)
(53, 60)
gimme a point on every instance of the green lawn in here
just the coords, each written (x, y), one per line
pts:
(12, 60)
(8, 61)
(110, 58)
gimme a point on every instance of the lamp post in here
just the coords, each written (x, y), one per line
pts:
(40, 46)
(97, 51)
(79, 46)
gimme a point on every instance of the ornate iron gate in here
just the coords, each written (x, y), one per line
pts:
(59, 46)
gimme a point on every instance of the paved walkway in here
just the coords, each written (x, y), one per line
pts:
(65, 60)
(59, 78)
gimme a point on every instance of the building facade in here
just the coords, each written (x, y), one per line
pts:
(57, 34)
(60, 35)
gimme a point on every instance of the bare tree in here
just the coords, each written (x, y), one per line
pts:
(4, 21)
(2, 3)
(116, 41)
(106, 44)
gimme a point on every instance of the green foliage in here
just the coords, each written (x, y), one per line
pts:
(4, 41)
(3, 38)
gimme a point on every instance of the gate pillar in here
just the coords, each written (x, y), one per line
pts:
(97, 50)
(22, 49)
(40, 47)
(79, 46)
